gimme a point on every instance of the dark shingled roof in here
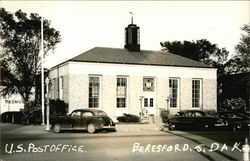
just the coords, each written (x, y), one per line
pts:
(144, 57)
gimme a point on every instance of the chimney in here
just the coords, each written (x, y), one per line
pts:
(132, 37)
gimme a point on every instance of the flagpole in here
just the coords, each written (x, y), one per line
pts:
(42, 72)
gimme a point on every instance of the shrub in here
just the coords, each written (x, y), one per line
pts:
(236, 104)
(58, 107)
(128, 118)
(32, 113)
(165, 115)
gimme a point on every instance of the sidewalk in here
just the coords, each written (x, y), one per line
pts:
(121, 130)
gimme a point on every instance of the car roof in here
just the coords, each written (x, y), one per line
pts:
(88, 110)
(192, 111)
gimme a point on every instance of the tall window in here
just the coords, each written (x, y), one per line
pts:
(61, 88)
(94, 91)
(121, 92)
(173, 92)
(196, 93)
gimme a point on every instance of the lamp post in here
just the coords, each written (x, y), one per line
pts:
(168, 100)
(140, 98)
(47, 110)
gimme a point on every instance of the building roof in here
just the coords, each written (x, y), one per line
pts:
(144, 57)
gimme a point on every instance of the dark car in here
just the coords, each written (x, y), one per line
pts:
(192, 119)
(234, 120)
(14, 117)
(83, 119)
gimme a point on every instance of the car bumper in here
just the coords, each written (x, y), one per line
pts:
(220, 124)
(109, 127)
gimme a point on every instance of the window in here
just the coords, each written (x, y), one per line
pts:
(61, 88)
(148, 84)
(196, 93)
(94, 91)
(173, 92)
(87, 114)
(76, 114)
(121, 92)
(145, 102)
(151, 104)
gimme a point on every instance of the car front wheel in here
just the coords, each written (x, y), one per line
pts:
(171, 126)
(91, 128)
(57, 128)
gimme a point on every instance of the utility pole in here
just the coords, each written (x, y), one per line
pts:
(42, 72)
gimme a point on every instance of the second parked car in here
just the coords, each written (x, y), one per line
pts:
(195, 119)
(234, 120)
(83, 119)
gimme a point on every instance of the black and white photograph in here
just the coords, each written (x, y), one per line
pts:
(124, 80)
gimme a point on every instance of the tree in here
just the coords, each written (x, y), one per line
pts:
(200, 50)
(20, 41)
(240, 62)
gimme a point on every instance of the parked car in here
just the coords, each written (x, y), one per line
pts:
(83, 119)
(14, 117)
(195, 119)
(234, 120)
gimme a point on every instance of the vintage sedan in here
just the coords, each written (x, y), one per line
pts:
(234, 120)
(83, 119)
(193, 119)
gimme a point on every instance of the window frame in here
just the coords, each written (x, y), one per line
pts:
(177, 93)
(99, 92)
(125, 95)
(199, 105)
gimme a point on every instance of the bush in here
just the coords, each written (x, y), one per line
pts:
(58, 107)
(128, 118)
(32, 113)
(234, 104)
(165, 115)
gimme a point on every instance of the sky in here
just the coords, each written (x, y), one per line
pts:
(84, 25)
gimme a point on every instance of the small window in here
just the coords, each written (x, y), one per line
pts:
(151, 102)
(87, 114)
(145, 102)
(76, 114)
(199, 114)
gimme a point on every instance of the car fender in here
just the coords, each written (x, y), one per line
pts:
(95, 121)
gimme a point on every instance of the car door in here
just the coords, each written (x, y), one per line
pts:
(187, 119)
(199, 119)
(76, 119)
(87, 117)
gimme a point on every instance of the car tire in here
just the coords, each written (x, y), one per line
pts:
(91, 128)
(57, 128)
(171, 126)
(237, 127)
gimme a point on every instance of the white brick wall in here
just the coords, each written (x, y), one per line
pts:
(76, 77)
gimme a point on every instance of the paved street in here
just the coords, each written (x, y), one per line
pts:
(28, 143)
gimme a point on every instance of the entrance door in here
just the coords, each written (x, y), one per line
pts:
(149, 103)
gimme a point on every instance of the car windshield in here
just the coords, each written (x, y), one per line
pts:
(101, 113)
